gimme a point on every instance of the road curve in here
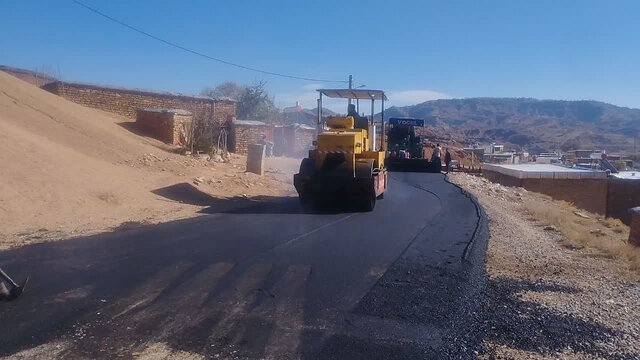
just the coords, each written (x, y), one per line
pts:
(264, 281)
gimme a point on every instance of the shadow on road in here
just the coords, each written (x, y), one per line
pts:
(198, 286)
(189, 194)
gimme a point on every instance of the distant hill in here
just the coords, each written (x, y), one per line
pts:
(306, 116)
(536, 125)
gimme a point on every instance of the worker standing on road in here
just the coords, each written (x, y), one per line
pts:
(447, 159)
(437, 159)
(268, 145)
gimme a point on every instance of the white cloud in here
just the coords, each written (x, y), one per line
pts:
(412, 97)
(312, 87)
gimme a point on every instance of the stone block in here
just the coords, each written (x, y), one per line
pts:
(255, 159)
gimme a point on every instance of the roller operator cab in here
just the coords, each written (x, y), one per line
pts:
(345, 163)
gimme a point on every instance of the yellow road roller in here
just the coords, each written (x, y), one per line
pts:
(345, 163)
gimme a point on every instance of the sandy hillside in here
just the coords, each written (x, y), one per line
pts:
(67, 169)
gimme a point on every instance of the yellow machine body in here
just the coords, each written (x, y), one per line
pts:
(341, 137)
(342, 166)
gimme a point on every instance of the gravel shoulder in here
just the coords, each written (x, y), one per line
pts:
(545, 297)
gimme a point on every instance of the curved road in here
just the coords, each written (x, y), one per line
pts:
(264, 281)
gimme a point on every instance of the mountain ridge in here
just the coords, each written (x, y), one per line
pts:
(527, 123)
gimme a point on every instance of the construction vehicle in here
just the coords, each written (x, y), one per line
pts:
(406, 148)
(16, 289)
(345, 163)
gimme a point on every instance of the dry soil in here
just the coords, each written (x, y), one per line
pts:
(68, 170)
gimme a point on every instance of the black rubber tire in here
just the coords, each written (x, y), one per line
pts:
(307, 202)
(307, 167)
(368, 203)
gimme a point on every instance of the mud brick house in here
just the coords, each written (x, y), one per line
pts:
(126, 102)
(247, 132)
(288, 140)
(171, 126)
(293, 140)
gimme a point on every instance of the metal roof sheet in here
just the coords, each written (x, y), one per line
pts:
(354, 94)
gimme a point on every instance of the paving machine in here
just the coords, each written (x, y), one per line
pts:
(345, 163)
(406, 148)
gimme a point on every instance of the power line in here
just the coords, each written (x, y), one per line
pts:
(172, 44)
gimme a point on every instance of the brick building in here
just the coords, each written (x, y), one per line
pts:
(209, 115)
(288, 140)
(247, 132)
(293, 140)
(173, 126)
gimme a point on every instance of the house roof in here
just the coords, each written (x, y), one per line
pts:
(161, 110)
(249, 122)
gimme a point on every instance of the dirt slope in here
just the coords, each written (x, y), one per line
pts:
(67, 169)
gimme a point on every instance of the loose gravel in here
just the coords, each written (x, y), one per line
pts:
(545, 299)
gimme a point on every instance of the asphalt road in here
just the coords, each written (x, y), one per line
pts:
(264, 281)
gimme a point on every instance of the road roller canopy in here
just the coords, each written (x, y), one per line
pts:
(360, 94)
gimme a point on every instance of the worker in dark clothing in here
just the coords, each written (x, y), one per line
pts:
(447, 159)
(360, 122)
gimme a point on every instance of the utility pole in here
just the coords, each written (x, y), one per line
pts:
(350, 85)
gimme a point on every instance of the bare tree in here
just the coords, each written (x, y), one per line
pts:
(253, 102)
(227, 89)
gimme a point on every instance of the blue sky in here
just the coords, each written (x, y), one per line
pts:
(415, 50)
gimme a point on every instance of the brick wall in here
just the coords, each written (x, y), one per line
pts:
(126, 102)
(303, 141)
(168, 125)
(623, 194)
(588, 194)
(245, 133)
(292, 140)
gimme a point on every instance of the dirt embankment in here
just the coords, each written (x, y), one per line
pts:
(68, 170)
(559, 285)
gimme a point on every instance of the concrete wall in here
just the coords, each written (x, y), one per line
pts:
(126, 102)
(623, 194)
(169, 126)
(588, 194)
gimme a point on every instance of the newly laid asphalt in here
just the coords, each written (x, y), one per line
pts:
(264, 280)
